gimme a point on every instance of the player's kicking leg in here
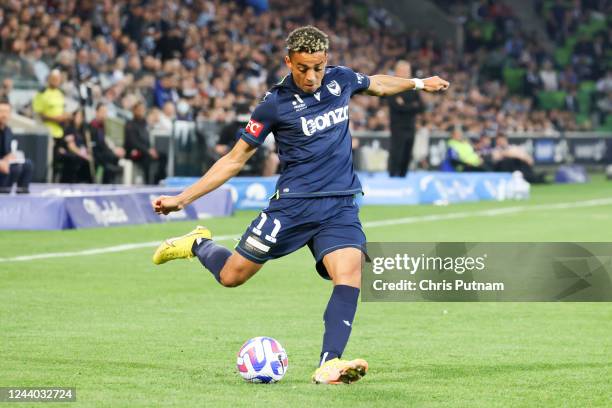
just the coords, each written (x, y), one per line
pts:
(229, 269)
(344, 267)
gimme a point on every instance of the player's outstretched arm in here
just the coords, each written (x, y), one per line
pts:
(224, 169)
(387, 85)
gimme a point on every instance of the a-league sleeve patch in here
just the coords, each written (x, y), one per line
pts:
(254, 128)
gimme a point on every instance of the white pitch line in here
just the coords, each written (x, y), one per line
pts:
(96, 251)
(488, 213)
(370, 224)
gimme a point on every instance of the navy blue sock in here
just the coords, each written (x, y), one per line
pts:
(338, 319)
(211, 255)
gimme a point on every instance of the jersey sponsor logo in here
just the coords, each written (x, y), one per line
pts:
(334, 88)
(322, 122)
(299, 103)
(254, 127)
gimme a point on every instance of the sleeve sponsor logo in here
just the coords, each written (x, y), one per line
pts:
(254, 128)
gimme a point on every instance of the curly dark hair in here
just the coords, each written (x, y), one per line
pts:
(307, 39)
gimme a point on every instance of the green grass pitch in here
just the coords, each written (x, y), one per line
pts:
(126, 333)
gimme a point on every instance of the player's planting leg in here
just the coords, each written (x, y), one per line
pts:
(338, 318)
(344, 267)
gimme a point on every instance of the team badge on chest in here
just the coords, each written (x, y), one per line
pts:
(334, 88)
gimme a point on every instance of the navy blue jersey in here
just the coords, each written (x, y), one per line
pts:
(312, 134)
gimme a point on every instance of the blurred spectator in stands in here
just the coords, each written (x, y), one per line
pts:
(568, 78)
(71, 153)
(49, 105)
(165, 90)
(484, 148)
(604, 106)
(167, 116)
(139, 149)
(85, 70)
(264, 162)
(106, 154)
(584, 47)
(14, 168)
(184, 111)
(571, 103)
(461, 153)
(511, 158)
(6, 88)
(170, 44)
(548, 76)
(599, 56)
(603, 102)
(259, 6)
(605, 84)
(403, 110)
(533, 83)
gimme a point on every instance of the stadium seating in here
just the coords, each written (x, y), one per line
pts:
(514, 79)
(548, 100)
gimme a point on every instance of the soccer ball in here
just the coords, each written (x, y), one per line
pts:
(262, 360)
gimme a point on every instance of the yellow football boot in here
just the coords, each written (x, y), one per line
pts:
(338, 371)
(179, 247)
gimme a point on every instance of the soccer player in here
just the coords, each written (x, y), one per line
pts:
(314, 203)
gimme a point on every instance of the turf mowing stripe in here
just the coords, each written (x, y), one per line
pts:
(370, 224)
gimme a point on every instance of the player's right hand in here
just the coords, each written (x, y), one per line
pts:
(166, 204)
(435, 84)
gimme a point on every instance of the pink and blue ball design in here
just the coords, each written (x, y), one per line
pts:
(262, 360)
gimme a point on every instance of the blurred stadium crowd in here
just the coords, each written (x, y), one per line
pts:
(210, 55)
(202, 59)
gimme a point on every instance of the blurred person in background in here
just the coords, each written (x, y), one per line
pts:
(6, 88)
(461, 152)
(106, 154)
(13, 169)
(138, 146)
(403, 110)
(511, 158)
(165, 89)
(49, 105)
(72, 153)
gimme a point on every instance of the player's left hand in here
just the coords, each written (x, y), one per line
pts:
(435, 84)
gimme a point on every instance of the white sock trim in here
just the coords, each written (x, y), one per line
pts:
(323, 358)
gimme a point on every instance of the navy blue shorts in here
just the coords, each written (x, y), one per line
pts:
(323, 223)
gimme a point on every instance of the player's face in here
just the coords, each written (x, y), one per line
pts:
(307, 69)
